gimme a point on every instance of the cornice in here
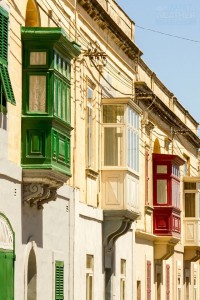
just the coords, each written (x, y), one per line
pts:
(104, 20)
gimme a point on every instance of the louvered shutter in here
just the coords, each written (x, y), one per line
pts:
(59, 280)
(148, 280)
(4, 75)
(167, 282)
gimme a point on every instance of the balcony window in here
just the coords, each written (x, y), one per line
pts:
(46, 117)
(191, 195)
(121, 132)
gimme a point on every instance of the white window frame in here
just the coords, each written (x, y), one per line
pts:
(125, 127)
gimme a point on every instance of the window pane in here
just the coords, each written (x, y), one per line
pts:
(113, 146)
(113, 114)
(37, 93)
(190, 205)
(133, 140)
(176, 193)
(162, 191)
(38, 58)
(161, 169)
(190, 185)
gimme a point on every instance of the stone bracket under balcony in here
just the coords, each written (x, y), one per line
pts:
(115, 224)
(192, 253)
(164, 246)
(40, 186)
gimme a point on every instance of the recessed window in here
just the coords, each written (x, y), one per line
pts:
(89, 276)
(189, 204)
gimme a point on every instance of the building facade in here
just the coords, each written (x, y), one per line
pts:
(99, 168)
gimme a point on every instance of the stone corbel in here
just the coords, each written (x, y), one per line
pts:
(40, 186)
(37, 194)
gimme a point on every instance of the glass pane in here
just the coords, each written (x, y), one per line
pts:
(175, 193)
(89, 262)
(123, 266)
(64, 102)
(190, 205)
(162, 191)
(113, 146)
(37, 93)
(38, 58)
(190, 185)
(68, 105)
(113, 114)
(161, 169)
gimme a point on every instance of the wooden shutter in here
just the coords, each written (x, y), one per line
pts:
(3, 35)
(167, 282)
(59, 280)
(146, 177)
(6, 275)
(148, 280)
(4, 75)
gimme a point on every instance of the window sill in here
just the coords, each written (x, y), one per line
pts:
(91, 173)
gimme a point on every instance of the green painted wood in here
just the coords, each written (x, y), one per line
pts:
(59, 280)
(46, 133)
(6, 275)
(4, 75)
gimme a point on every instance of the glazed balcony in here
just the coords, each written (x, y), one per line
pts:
(120, 162)
(192, 218)
(46, 112)
(166, 204)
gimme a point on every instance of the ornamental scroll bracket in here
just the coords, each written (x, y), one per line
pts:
(40, 186)
(37, 194)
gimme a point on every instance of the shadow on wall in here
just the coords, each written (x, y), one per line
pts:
(32, 225)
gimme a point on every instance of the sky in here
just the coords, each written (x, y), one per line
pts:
(175, 61)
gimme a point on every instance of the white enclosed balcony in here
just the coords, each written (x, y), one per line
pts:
(120, 158)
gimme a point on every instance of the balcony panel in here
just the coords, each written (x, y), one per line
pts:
(120, 192)
(166, 221)
(192, 232)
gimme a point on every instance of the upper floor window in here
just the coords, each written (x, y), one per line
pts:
(90, 127)
(192, 198)
(6, 92)
(121, 136)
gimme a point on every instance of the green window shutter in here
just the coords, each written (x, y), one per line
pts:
(59, 280)
(7, 87)
(4, 75)
(3, 35)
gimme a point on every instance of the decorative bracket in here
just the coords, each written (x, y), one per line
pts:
(40, 186)
(38, 194)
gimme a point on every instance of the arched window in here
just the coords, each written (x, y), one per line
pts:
(32, 14)
(32, 277)
(156, 148)
(6, 259)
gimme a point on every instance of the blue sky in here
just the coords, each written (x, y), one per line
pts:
(175, 61)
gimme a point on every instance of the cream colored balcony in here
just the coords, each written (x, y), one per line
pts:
(120, 193)
(120, 159)
(192, 219)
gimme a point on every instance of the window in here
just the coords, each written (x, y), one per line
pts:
(6, 92)
(133, 139)
(120, 121)
(167, 282)
(186, 165)
(191, 195)
(90, 128)
(89, 276)
(123, 280)
(139, 290)
(148, 280)
(59, 280)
